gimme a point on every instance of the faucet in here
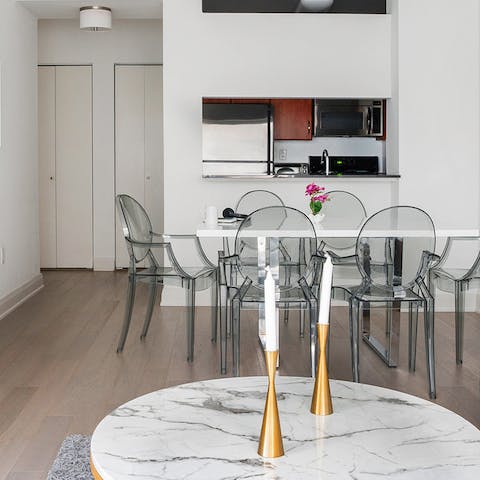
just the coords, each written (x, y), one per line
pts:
(326, 159)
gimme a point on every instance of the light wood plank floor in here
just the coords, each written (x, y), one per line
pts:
(59, 373)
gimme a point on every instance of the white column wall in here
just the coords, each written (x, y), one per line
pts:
(130, 41)
(439, 121)
(438, 115)
(18, 150)
(259, 55)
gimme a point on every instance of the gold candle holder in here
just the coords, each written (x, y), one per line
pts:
(271, 444)
(322, 399)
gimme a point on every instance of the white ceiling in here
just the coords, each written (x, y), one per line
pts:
(70, 8)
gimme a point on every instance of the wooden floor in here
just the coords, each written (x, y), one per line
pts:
(59, 373)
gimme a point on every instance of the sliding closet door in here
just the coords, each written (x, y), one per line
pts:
(65, 166)
(129, 142)
(139, 143)
(46, 154)
(74, 166)
(154, 144)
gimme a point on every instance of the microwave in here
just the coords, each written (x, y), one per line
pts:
(349, 118)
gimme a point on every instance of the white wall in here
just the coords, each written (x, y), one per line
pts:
(439, 120)
(18, 150)
(438, 113)
(259, 55)
(130, 41)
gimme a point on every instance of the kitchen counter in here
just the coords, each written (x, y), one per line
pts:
(302, 177)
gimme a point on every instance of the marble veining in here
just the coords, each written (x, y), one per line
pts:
(209, 431)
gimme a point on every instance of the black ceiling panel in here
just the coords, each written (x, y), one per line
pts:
(290, 6)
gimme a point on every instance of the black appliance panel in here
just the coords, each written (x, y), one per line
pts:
(367, 165)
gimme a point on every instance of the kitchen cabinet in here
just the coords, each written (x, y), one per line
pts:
(65, 166)
(293, 118)
(251, 100)
(217, 100)
(237, 100)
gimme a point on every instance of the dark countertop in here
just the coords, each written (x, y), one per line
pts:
(284, 177)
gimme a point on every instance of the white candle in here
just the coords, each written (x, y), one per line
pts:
(325, 292)
(270, 313)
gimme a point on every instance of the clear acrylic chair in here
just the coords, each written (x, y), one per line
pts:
(246, 204)
(251, 201)
(394, 252)
(284, 239)
(141, 243)
(458, 270)
(256, 199)
(344, 210)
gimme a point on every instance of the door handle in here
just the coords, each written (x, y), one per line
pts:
(369, 121)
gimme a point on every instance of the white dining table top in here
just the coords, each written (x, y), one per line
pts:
(230, 231)
(209, 431)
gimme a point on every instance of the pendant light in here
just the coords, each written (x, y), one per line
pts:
(95, 19)
(316, 5)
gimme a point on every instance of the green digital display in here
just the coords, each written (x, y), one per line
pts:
(339, 162)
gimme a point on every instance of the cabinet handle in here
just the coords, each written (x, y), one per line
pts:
(51, 178)
(148, 177)
(309, 126)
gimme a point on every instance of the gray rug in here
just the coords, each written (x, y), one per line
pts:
(73, 460)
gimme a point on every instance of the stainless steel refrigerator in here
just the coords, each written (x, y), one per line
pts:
(237, 140)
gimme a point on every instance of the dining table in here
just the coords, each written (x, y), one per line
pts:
(210, 430)
(389, 353)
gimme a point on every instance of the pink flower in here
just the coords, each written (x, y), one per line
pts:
(312, 189)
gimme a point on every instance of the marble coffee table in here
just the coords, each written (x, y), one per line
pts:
(209, 430)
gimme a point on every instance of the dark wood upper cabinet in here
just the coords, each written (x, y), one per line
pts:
(251, 100)
(293, 119)
(217, 100)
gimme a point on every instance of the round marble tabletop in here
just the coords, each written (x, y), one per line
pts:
(209, 430)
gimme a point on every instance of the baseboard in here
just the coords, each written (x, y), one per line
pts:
(20, 295)
(104, 264)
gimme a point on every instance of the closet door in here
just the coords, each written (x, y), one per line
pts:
(46, 154)
(129, 143)
(73, 140)
(154, 145)
(139, 144)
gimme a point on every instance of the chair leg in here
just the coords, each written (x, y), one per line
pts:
(223, 299)
(214, 307)
(412, 335)
(313, 339)
(430, 345)
(459, 321)
(236, 336)
(128, 312)
(288, 275)
(151, 305)
(190, 292)
(354, 314)
(388, 320)
(302, 321)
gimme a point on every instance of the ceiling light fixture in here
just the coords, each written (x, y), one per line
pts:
(316, 5)
(95, 19)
